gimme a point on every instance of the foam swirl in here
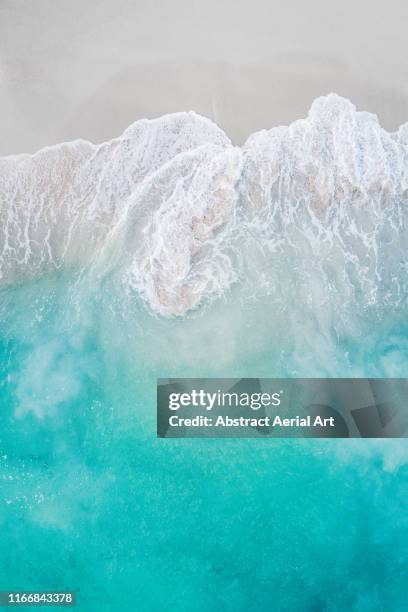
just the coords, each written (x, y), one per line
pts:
(180, 214)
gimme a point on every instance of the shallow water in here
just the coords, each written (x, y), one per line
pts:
(285, 258)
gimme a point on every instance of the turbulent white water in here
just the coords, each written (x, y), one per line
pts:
(313, 213)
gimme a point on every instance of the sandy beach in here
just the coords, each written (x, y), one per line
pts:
(177, 313)
(86, 69)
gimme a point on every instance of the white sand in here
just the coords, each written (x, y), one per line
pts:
(88, 68)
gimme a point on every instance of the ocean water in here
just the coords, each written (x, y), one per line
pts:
(170, 252)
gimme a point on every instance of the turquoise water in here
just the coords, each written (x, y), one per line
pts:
(91, 501)
(169, 252)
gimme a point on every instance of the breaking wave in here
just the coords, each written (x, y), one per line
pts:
(302, 234)
(315, 212)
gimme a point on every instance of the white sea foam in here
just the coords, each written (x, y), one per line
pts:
(315, 211)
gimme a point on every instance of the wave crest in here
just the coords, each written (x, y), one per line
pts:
(315, 211)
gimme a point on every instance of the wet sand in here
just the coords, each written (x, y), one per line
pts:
(82, 68)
